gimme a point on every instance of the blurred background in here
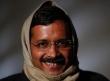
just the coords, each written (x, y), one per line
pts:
(91, 19)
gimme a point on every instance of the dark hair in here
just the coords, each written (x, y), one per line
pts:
(48, 13)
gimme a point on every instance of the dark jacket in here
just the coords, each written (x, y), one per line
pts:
(84, 76)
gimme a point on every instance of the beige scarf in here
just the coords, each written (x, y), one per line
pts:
(32, 72)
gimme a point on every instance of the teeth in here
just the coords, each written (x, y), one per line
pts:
(52, 64)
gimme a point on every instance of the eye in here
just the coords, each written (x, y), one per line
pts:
(63, 44)
(42, 44)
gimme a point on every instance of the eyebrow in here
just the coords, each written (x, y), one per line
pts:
(41, 40)
(45, 40)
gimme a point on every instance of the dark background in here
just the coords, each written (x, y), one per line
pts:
(91, 19)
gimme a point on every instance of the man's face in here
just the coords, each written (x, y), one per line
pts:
(42, 57)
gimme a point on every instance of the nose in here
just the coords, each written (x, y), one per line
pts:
(53, 51)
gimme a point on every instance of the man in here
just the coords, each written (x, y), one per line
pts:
(50, 48)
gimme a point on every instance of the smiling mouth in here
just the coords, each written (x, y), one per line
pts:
(52, 66)
(54, 61)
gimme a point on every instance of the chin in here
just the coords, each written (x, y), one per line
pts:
(54, 73)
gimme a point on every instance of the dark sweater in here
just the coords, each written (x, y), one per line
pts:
(84, 76)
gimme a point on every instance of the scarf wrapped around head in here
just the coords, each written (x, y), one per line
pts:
(32, 72)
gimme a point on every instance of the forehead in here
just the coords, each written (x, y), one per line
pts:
(56, 30)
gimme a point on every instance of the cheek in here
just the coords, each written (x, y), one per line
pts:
(66, 54)
(35, 54)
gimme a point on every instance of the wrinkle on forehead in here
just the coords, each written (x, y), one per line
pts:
(54, 31)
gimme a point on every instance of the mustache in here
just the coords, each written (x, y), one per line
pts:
(59, 60)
